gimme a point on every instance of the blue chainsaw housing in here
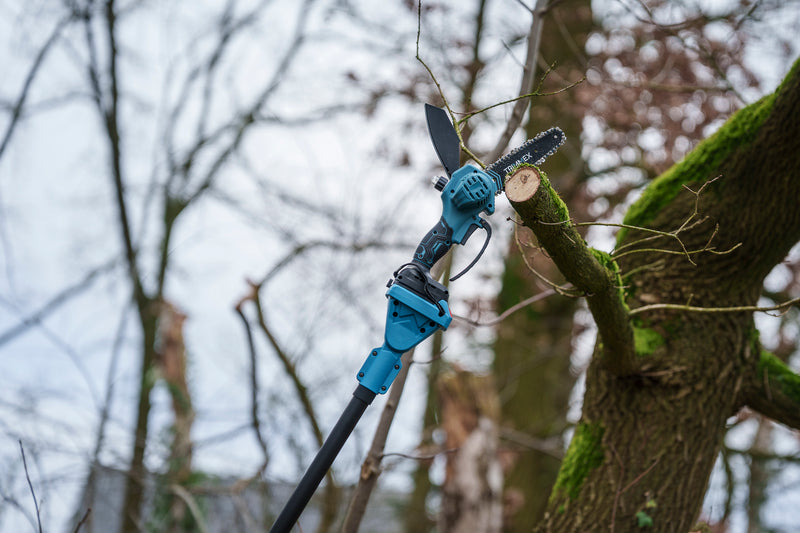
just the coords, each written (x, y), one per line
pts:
(469, 192)
(410, 319)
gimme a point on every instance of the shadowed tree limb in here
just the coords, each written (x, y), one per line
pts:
(774, 391)
(590, 271)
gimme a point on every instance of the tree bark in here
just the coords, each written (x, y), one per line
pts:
(663, 381)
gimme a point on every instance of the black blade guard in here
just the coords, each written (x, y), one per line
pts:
(444, 138)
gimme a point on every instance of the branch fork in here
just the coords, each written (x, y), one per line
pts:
(592, 272)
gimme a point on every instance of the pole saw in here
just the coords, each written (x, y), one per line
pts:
(417, 302)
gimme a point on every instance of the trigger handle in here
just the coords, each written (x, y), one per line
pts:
(484, 224)
(434, 244)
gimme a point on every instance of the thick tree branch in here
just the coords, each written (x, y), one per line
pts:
(590, 271)
(774, 391)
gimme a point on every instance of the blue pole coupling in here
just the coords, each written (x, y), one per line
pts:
(410, 319)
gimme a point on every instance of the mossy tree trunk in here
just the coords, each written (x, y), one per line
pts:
(671, 363)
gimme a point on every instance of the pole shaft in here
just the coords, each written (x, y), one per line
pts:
(291, 512)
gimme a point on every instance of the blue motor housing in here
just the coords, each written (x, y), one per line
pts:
(469, 192)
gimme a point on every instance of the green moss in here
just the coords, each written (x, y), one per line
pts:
(794, 71)
(608, 262)
(585, 453)
(646, 341)
(779, 373)
(700, 165)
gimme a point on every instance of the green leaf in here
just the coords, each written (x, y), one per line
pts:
(643, 519)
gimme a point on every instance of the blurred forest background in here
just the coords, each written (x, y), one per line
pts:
(201, 202)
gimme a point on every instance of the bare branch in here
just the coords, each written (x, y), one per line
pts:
(511, 310)
(371, 467)
(16, 110)
(331, 489)
(254, 388)
(419, 456)
(61, 298)
(288, 365)
(732, 309)
(449, 109)
(30, 485)
(526, 84)
(83, 520)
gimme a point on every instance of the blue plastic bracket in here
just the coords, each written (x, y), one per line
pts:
(410, 320)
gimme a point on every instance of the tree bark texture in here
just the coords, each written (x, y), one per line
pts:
(663, 381)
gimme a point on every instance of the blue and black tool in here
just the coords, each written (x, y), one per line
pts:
(417, 302)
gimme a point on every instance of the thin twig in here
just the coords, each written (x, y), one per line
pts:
(419, 457)
(56, 302)
(83, 520)
(30, 485)
(513, 309)
(441, 92)
(733, 309)
(562, 290)
(17, 109)
(191, 503)
(522, 97)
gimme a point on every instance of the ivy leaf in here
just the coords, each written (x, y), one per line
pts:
(643, 519)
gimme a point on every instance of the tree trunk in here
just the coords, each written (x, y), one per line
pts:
(665, 378)
(172, 366)
(473, 486)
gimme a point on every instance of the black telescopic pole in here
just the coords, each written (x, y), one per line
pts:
(291, 512)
